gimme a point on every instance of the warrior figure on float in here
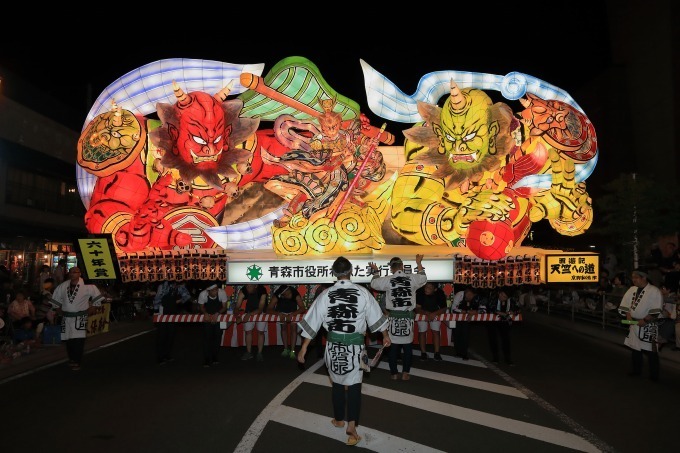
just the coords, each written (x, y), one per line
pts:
(322, 166)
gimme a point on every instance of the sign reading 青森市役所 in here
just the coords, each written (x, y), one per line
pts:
(572, 268)
(319, 271)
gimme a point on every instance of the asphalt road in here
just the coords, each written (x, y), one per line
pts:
(569, 391)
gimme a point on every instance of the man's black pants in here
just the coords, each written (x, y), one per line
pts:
(165, 338)
(652, 358)
(350, 398)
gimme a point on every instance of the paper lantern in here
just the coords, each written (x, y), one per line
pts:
(490, 240)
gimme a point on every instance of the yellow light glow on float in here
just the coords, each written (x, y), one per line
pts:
(355, 230)
(311, 184)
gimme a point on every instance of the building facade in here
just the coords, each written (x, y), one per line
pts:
(41, 213)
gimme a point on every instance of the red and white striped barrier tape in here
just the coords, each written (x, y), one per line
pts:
(466, 317)
(297, 318)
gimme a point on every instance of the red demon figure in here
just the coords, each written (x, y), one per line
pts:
(198, 138)
(195, 158)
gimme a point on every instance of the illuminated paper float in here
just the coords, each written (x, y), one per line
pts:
(289, 168)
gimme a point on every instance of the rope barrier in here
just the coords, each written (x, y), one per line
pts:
(296, 318)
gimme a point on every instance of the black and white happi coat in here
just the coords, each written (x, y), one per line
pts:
(400, 295)
(344, 308)
(74, 305)
(648, 301)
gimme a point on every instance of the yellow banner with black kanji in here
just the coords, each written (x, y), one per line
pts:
(99, 321)
(97, 258)
(572, 268)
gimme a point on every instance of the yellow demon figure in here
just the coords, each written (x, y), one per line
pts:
(462, 161)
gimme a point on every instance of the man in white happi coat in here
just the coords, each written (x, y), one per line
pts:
(400, 302)
(345, 310)
(641, 305)
(74, 301)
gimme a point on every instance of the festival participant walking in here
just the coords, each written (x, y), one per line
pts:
(641, 305)
(345, 310)
(256, 301)
(400, 300)
(170, 296)
(75, 301)
(505, 307)
(467, 304)
(430, 302)
(212, 302)
(286, 303)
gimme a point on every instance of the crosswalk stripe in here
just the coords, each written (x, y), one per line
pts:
(250, 437)
(454, 359)
(449, 379)
(371, 439)
(510, 425)
(448, 358)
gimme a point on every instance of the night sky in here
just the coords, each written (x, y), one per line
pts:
(566, 48)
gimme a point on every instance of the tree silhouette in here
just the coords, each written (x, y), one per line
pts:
(636, 207)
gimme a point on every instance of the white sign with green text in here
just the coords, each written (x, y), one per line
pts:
(319, 271)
